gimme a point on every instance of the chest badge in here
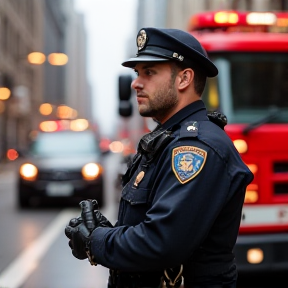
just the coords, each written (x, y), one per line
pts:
(139, 178)
(187, 162)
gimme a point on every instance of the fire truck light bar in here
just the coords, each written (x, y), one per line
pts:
(218, 19)
(226, 17)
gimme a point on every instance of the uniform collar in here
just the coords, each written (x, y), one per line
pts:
(197, 108)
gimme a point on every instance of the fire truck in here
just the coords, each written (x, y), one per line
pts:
(250, 50)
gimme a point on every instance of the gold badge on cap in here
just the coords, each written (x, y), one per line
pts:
(141, 39)
(139, 178)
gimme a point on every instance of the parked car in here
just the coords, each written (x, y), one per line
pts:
(62, 167)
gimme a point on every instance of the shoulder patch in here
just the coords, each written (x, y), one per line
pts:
(187, 162)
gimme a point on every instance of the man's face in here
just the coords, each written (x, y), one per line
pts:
(156, 93)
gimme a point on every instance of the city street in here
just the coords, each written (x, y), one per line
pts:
(34, 250)
(81, 82)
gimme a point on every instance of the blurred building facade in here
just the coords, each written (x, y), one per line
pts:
(78, 89)
(47, 26)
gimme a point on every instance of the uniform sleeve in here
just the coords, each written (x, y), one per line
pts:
(179, 219)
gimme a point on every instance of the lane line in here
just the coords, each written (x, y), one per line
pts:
(20, 269)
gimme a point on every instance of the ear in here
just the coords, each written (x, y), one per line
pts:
(186, 78)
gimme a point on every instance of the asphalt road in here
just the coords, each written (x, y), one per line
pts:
(34, 250)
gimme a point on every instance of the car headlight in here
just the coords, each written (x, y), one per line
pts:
(91, 171)
(28, 172)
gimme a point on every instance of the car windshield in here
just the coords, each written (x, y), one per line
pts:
(64, 143)
(249, 87)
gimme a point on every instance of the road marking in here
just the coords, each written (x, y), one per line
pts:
(20, 269)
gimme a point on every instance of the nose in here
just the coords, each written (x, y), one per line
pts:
(136, 85)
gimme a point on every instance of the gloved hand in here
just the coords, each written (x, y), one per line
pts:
(72, 223)
(79, 241)
(79, 229)
(91, 216)
(101, 220)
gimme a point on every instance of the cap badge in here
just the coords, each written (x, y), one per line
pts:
(179, 57)
(141, 39)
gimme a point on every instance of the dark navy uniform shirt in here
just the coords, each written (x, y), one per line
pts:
(183, 206)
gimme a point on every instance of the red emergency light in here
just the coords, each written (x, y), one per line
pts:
(228, 19)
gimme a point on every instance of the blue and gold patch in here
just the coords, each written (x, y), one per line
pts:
(187, 162)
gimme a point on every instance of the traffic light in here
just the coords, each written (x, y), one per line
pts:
(125, 105)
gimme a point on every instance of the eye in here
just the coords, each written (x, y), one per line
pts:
(148, 72)
(136, 72)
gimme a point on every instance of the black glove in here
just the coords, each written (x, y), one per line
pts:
(101, 220)
(79, 229)
(72, 223)
(79, 241)
(91, 216)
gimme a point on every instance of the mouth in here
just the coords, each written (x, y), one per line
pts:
(141, 95)
(141, 98)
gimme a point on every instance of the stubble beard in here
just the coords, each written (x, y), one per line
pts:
(163, 101)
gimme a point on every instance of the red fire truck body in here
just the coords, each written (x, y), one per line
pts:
(251, 53)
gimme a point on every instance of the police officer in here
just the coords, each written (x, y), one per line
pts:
(181, 204)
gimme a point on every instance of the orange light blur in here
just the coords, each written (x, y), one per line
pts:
(45, 109)
(28, 171)
(79, 125)
(251, 195)
(48, 126)
(4, 93)
(255, 255)
(36, 58)
(116, 147)
(12, 154)
(253, 168)
(282, 22)
(58, 59)
(91, 171)
(66, 112)
(241, 145)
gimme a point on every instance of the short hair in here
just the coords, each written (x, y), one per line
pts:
(199, 76)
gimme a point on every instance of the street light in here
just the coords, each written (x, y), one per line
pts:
(36, 58)
(4, 93)
(55, 59)
(45, 109)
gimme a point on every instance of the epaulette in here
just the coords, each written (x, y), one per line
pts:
(218, 118)
(189, 129)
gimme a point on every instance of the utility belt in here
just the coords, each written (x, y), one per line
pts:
(118, 279)
(169, 279)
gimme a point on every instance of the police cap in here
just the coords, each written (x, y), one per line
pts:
(157, 45)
